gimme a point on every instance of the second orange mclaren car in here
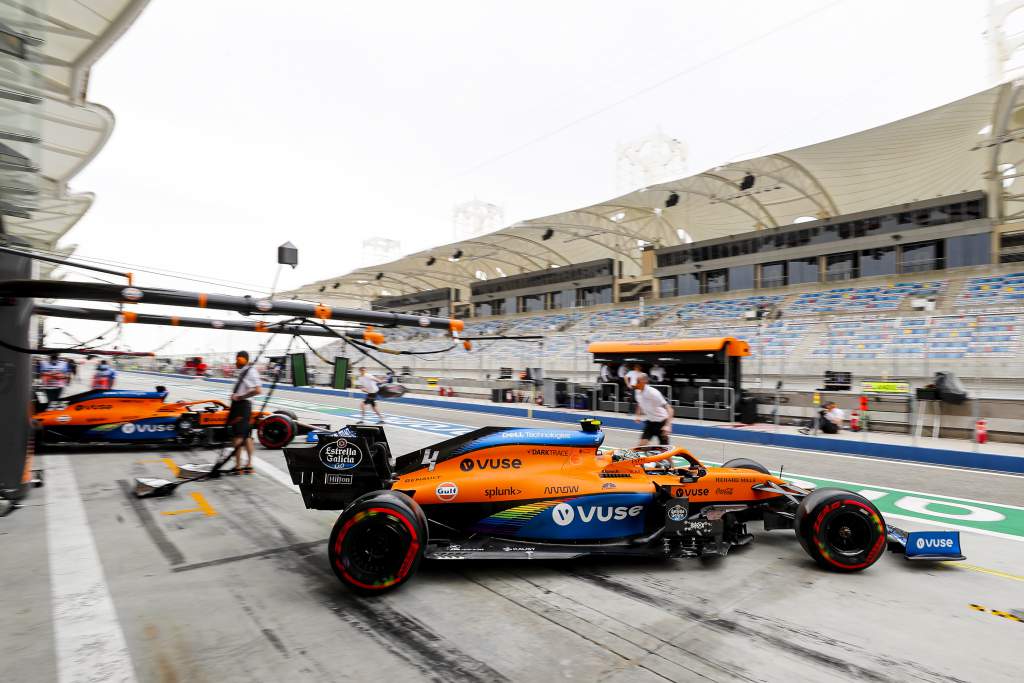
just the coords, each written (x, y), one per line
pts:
(137, 417)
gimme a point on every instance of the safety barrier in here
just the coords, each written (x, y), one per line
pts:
(887, 451)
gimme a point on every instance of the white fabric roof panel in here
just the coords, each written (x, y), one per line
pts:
(931, 154)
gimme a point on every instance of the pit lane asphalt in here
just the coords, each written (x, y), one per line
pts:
(245, 593)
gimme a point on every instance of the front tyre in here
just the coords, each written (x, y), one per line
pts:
(746, 464)
(378, 542)
(276, 431)
(186, 430)
(841, 530)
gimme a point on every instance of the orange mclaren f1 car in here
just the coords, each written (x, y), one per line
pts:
(508, 493)
(115, 416)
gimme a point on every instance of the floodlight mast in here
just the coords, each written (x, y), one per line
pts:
(283, 327)
(90, 291)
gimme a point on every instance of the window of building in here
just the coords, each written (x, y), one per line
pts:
(774, 274)
(741, 277)
(802, 270)
(716, 281)
(841, 266)
(974, 210)
(921, 256)
(563, 299)
(593, 296)
(878, 262)
(496, 307)
(1007, 240)
(968, 250)
(667, 287)
(531, 303)
(689, 284)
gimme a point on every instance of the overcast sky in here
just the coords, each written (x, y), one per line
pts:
(243, 124)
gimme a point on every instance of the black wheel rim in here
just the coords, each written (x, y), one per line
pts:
(275, 431)
(848, 534)
(376, 549)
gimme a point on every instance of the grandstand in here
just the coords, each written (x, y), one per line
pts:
(893, 252)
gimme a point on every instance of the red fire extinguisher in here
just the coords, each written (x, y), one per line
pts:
(980, 431)
(854, 421)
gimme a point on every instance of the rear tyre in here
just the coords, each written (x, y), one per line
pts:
(841, 530)
(378, 542)
(746, 464)
(276, 431)
(289, 413)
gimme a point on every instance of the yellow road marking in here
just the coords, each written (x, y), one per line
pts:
(171, 465)
(201, 506)
(993, 572)
(997, 612)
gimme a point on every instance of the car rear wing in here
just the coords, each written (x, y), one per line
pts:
(336, 467)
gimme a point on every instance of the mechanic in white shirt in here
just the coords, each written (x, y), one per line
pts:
(54, 375)
(655, 411)
(239, 422)
(633, 376)
(657, 373)
(606, 373)
(371, 385)
(834, 415)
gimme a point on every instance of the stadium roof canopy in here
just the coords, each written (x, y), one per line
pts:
(970, 144)
(59, 131)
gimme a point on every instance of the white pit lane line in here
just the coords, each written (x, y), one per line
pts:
(90, 644)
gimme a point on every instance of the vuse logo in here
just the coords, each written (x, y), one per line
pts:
(565, 514)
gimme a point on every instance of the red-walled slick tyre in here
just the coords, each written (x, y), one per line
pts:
(378, 542)
(276, 431)
(841, 530)
(746, 464)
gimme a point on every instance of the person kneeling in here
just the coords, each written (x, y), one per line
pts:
(829, 420)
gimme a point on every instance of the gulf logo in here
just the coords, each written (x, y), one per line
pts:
(447, 491)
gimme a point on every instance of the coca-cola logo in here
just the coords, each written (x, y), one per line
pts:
(341, 455)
